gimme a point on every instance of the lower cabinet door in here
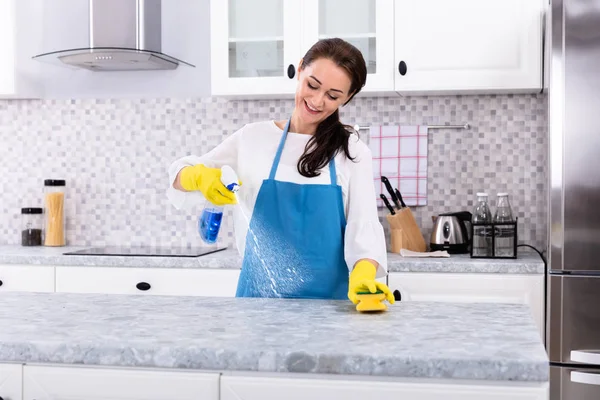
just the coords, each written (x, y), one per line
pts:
(26, 278)
(257, 388)
(90, 383)
(11, 381)
(473, 288)
(149, 281)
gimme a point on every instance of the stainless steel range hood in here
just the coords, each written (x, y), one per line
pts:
(125, 35)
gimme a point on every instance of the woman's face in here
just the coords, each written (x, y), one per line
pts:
(322, 88)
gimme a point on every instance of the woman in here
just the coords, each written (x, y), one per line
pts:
(308, 185)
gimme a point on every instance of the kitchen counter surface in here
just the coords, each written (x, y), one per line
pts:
(528, 262)
(496, 342)
(40, 255)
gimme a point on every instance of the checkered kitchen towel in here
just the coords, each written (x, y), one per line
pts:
(400, 154)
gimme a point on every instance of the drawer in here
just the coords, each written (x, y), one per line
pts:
(26, 278)
(97, 383)
(473, 288)
(11, 381)
(359, 388)
(149, 281)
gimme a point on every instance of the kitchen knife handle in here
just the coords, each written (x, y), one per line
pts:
(399, 196)
(387, 204)
(390, 190)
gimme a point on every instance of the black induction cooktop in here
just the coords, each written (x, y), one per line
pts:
(146, 251)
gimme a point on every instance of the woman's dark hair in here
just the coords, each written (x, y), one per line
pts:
(332, 136)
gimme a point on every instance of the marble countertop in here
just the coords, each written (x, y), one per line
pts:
(528, 262)
(420, 340)
(40, 255)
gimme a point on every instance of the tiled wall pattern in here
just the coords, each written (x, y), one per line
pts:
(114, 155)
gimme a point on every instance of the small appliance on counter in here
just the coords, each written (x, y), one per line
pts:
(146, 251)
(451, 232)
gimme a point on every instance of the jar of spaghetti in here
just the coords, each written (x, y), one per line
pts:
(54, 204)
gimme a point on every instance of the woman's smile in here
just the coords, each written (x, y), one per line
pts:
(311, 110)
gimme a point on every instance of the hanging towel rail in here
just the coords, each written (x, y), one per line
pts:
(358, 127)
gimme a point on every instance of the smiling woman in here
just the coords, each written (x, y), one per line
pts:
(307, 191)
(331, 73)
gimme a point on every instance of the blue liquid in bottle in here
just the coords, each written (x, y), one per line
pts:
(209, 224)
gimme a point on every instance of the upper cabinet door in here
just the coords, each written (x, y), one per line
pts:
(469, 46)
(367, 24)
(255, 46)
(20, 36)
(7, 46)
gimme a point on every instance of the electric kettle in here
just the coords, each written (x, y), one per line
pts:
(451, 232)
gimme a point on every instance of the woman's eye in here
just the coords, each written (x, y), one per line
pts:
(312, 87)
(332, 97)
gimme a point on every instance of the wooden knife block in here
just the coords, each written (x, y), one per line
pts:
(405, 233)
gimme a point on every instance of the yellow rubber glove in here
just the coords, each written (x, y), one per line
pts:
(208, 181)
(362, 279)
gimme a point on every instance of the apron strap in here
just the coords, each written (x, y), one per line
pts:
(332, 171)
(332, 174)
(279, 150)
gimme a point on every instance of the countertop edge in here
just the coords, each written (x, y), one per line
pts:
(529, 263)
(259, 361)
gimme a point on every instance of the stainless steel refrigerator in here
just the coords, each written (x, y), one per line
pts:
(573, 306)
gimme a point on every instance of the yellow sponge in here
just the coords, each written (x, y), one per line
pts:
(368, 302)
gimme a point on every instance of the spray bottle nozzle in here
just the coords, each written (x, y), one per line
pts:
(229, 178)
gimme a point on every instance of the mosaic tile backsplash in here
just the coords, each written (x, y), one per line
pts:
(114, 156)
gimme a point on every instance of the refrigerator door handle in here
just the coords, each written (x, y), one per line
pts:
(586, 378)
(591, 357)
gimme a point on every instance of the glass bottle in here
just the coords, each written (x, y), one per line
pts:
(209, 222)
(54, 204)
(505, 234)
(31, 226)
(482, 234)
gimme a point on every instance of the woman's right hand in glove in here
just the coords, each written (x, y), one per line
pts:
(208, 182)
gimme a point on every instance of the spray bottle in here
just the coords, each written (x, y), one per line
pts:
(209, 222)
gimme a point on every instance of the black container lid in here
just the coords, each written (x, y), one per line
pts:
(32, 210)
(54, 182)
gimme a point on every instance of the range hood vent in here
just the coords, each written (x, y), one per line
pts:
(125, 35)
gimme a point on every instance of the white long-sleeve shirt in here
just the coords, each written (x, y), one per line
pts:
(250, 152)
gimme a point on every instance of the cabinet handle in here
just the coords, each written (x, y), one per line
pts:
(1, 285)
(143, 286)
(397, 295)
(402, 68)
(291, 72)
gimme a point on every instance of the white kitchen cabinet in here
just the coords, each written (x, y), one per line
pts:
(96, 383)
(26, 278)
(469, 46)
(148, 281)
(20, 37)
(11, 381)
(473, 288)
(464, 46)
(367, 24)
(350, 388)
(255, 46)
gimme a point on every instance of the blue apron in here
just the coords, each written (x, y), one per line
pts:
(295, 240)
